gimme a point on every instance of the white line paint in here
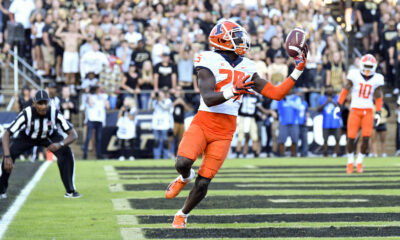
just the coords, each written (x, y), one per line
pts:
(251, 166)
(116, 187)
(121, 204)
(13, 210)
(132, 234)
(111, 173)
(315, 200)
(127, 220)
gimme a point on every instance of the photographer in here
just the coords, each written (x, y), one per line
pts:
(162, 122)
(126, 132)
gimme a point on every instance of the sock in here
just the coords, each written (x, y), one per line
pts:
(360, 158)
(191, 176)
(350, 158)
(181, 213)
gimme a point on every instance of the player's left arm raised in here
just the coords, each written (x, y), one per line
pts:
(378, 104)
(268, 90)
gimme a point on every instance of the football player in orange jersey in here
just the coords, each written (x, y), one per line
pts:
(223, 76)
(366, 84)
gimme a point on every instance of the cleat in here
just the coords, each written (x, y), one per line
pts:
(360, 168)
(175, 187)
(349, 168)
(3, 196)
(72, 195)
(179, 221)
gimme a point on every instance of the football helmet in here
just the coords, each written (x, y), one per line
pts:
(368, 65)
(230, 36)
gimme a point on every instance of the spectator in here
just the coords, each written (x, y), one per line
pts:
(269, 118)
(288, 123)
(124, 52)
(398, 127)
(146, 83)
(380, 131)
(180, 107)
(161, 123)
(52, 90)
(394, 59)
(130, 81)
(303, 115)
(368, 15)
(19, 12)
(48, 45)
(331, 119)
(159, 49)
(24, 100)
(68, 106)
(93, 61)
(90, 38)
(37, 32)
(275, 50)
(132, 36)
(97, 104)
(126, 132)
(278, 70)
(247, 128)
(185, 69)
(71, 56)
(140, 54)
(165, 74)
(335, 72)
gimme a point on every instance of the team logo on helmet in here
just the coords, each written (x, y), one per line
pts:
(368, 65)
(230, 36)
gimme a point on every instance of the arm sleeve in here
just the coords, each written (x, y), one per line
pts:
(279, 91)
(65, 125)
(18, 123)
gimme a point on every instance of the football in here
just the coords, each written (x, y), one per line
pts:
(295, 42)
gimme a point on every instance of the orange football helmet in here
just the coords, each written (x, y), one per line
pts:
(230, 36)
(368, 65)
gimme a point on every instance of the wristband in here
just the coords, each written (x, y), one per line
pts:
(61, 143)
(296, 74)
(228, 93)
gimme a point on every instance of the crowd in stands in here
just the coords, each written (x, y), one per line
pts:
(135, 56)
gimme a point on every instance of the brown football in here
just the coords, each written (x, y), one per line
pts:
(295, 42)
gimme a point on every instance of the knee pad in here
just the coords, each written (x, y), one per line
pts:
(183, 164)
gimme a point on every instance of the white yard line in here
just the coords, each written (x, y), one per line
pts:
(132, 234)
(315, 200)
(121, 204)
(127, 220)
(116, 187)
(13, 210)
(112, 175)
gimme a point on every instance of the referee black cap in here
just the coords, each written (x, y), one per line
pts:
(41, 95)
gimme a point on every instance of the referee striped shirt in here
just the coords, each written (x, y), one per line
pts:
(39, 127)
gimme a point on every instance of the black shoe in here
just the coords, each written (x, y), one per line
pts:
(84, 156)
(72, 195)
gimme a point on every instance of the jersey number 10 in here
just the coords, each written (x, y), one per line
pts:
(365, 90)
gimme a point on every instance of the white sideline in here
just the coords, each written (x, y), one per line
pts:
(13, 210)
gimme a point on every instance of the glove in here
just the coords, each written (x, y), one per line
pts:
(377, 118)
(300, 61)
(240, 87)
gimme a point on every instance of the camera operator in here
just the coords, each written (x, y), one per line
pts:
(162, 122)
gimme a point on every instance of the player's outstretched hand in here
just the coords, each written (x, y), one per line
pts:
(242, 87)
(377, 118)
(8, 164)
(301, 60)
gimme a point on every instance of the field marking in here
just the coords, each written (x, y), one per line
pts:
(127, 220)
(121, 204)
(251, 166)
(23, 195)
(132, 234)
(315, 200)
(111, 173)
(116, 187)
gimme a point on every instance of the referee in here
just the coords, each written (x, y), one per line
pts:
(37, 126)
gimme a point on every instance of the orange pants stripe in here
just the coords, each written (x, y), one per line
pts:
(359, 117)
(209, 134)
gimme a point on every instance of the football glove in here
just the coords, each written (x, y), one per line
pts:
(300, 61)
(377, 118)
(240, 87)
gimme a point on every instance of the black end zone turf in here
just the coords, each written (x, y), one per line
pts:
(278, 218)
(257, 201)
(162, 233)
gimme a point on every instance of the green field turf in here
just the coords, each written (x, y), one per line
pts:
(283, 198)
